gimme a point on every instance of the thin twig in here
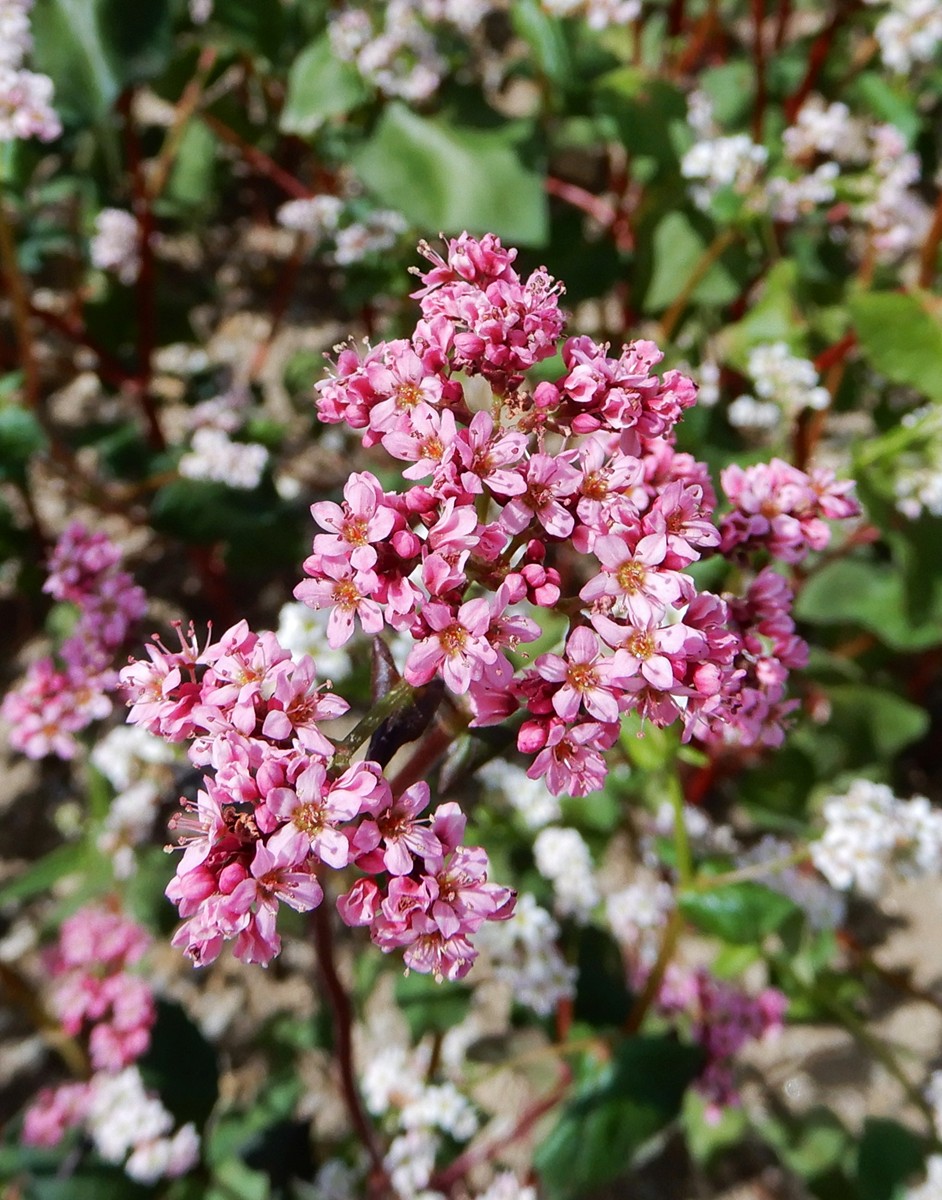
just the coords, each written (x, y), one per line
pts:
(929, 253)
(711, 254)
(19, 304)
(256, 158)
(343, 1035)
(185, 108)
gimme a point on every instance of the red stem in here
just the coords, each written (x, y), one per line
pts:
(758, 56)
(257, 158)
(817, 57)
(343, 1035)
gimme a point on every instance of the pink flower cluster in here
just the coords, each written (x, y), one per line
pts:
(723, 1018)
(60, 697)
(276, 810)
(500, 497)
(98, 999)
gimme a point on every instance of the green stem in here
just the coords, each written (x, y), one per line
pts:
(759, 870)
(681, 841)
(395, 699)
(881, 1052)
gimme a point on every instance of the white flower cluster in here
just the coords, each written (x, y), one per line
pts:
(824, 907)
(25, 97)
(704, 835)
(214, 456)
(564, 859)
(129, 1125)
(394, 1086)
(717, 163)
(400, 58)
(530, 798)
(135, 763)
(115, 244)
(784, 386)
(598, 14)
(869, 833)
(909, 33)
(524, 955)
(322, 218)
(897, 218)
(918, 469)
(635, 914)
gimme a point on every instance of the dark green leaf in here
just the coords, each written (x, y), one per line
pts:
(181, 1065)
(678, 249)
(624, 1104)
(888, 1157)
(739, 912)
(871, 595)
(448, 178)
(873, 723)
(21, 436)
(602, 996)
(95, 48)
(546, 40)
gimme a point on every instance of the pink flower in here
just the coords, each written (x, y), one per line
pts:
(588, 679)
(549, 481)
(346, 591)
(362, 520)
(456, 646)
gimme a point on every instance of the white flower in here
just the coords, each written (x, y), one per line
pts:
(531, 798)
(563, 858)
(26, 106)
(213, 456)
(524, 955)
(115, 244)
(317, 216)
(122, 1114)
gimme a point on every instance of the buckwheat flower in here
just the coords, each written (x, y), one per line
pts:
(26, 106)
(115, 244)
(123, 1114)
(348, 593)
(597, 14)
(635, 915)
(54, 1112)
(214, 456)
(825, 128)
(375, 233)
(164, 1157)
(317, 216)
(363, 520)
(16, 39)
(563, 858)
(785, 379)
(909, 33)
(441, 1106)
(200, 11)
(506, 1186)
(717, 163)
(531, 798)
(410, 1161)
(588, 679)
(524, 955)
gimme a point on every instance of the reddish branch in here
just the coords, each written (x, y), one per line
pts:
(929, 254)
(758, 59)
(257, 158)
(817, 57)
(343, 1044)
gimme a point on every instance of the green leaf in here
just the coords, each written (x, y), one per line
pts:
(739, 912)
(645, 110)
(95, 48)
(888, 1156)
(181, 1064)
(89, 1182)
(233, 1180)
(619, 1108)
(429, 1006)
(774, 317)
(320, 86)
(190, 187)
(546, 40)
(41, 875)
(869, 594)
(447, 178)
(602, 997)
(21, 436)
(253, 25)
(872, 723)
(901, 337)
(677, 250)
